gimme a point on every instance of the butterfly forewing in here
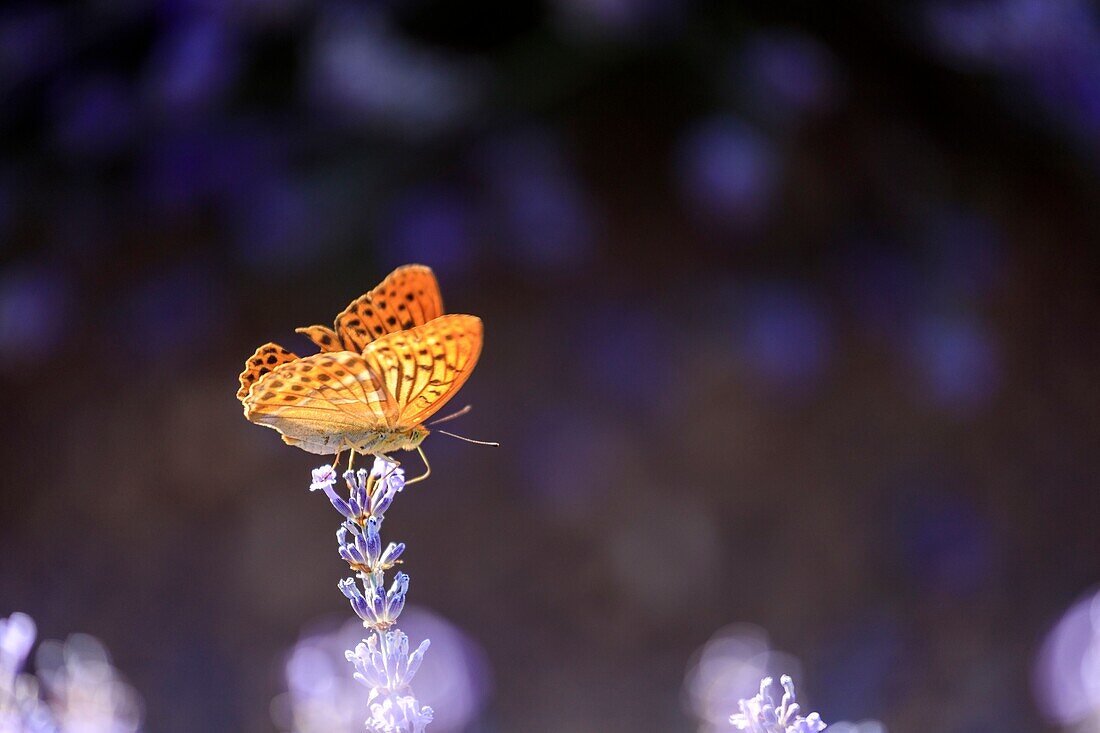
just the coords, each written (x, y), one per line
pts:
(425, 366)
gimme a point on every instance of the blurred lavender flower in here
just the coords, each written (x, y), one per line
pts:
(1009, 32)
(192, 66)
(84, 690)
(431, 224)
(865, 726)
(384, 665)
(728, 172)
(34, 304)
(958, 361)
(21, 708)
(77, 689)
(760, 714)
(733, 660)
(1067, 670)
(32, 40)
(96, 116)
(536, 193)
(787, 76)
(363, 69)
(626, 18)
(382, 662)
(785, 336)
(1051, 47)
(322, 697)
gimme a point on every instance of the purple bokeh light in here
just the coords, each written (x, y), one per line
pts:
(95, 116)
(1066, 676)
(787, 76)
(192, 66)
(728, 172)
(957, 359)
(34, 304)
(1050, 47)
(431, 224)
(365, 73)
(546, 215)
(785, 336)
(599, 19)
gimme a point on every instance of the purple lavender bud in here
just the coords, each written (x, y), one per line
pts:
(397, 596)
(400, 585)
(348, 588)
(353, 554)
(380, 502)
(357, 488)
(373, 542)
(361, 477)
(361, 544)
(416, 658)
(380, 602)
(393, 551)
(358, 602)
(324, 482)
(394, 607)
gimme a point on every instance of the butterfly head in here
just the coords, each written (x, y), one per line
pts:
(413, 437)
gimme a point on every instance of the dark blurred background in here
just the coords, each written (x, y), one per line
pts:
(790, 321)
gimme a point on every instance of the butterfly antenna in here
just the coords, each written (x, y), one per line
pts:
(453, 415)
(469, 440)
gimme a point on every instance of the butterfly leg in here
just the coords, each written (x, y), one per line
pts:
(427, 467)
(336, 460)
(351, 459)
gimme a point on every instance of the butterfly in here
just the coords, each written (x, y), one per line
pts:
(391, 360)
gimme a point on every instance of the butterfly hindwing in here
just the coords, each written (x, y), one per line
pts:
(423, 367)
(323, 336)
(408, 297)
(320, 400)
(266, 358)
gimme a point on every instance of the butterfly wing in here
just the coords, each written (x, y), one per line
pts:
(422, 368)
(408, 297)
(318, 401)
(323, 336)
(266, 358)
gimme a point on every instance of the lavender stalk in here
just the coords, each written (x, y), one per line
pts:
(383, 662)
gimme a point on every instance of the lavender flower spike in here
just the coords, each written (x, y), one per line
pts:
(761, 715)
(21, 709)
(382, 661)
(75, 687)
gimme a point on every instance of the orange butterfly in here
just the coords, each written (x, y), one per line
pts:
(389, 363)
